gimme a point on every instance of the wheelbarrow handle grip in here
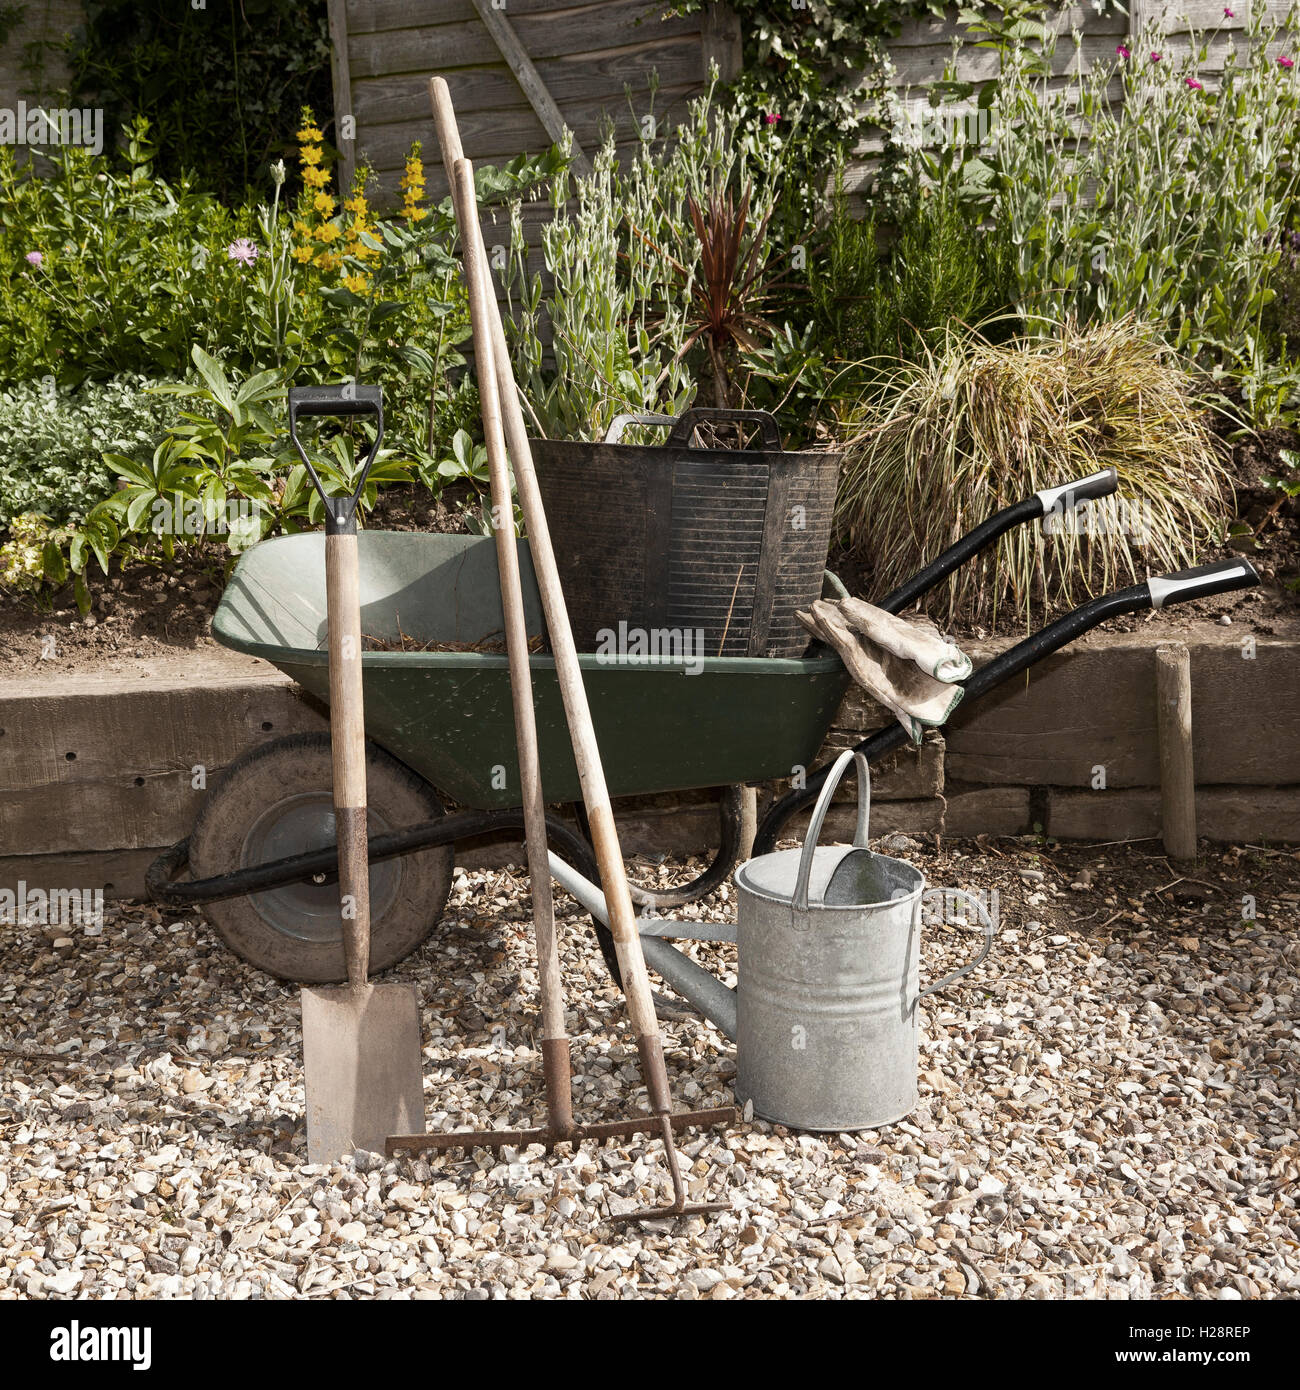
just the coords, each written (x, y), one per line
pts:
(1040, 504)
(341, 400)
(1100, 484)
(1222, 577)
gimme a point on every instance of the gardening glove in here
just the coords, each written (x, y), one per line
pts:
(904, 664)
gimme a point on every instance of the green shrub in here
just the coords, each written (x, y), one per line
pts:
(106, 269)
(1164, 209)
(54, 442)
(884, 292)
(975, 426)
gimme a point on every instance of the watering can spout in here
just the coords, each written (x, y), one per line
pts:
(705, 991)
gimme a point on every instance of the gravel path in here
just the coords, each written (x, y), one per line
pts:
(1110, 1112)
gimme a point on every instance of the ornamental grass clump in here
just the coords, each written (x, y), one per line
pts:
(975, 426)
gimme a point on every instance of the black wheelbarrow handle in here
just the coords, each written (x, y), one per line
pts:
(1202, 582)
(1040, 504)
(344, 399)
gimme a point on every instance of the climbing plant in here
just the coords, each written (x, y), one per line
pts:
(825, 58)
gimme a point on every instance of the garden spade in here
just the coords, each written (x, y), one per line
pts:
(361, 1041)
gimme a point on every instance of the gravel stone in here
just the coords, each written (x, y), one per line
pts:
(1107, 1111)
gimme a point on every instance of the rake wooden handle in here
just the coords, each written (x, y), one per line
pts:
(348, 748)
(595, 793)
(512, 603)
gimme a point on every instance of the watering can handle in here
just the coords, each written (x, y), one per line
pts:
(989, 929)
(819, 815)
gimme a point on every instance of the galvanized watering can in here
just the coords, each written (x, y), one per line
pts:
(824, 1016)
(830, 941)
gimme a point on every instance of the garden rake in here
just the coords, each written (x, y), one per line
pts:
(500, 398)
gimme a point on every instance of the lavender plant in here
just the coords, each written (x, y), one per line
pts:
(627, 271)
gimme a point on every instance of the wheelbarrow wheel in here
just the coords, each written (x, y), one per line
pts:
(276, 801)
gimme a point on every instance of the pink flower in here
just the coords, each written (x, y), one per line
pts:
(1195, 85)
(34, 258)
(1284, 62)
(1155, 57)
(771, 118)
(1122, 51)
(1229, 14)
(242, 251)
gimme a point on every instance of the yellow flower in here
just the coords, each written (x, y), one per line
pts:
(310, 132)
(413, 186)
(356, 203)
(414, 164)
(316, 178)
(303, 229)
(329, 232)
(358, 284)
(323, 204)
(302, 254)
(328, 260)
(310, 154)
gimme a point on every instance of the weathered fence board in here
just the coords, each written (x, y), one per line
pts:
(582, 78)
(585, 57)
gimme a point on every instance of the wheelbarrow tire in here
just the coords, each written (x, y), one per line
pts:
(276, 801)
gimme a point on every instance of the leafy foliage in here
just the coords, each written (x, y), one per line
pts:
(664, 261)
(882, 292)
(105, 269)
(826, 59)
(220, 84)
(54, 439)
(1161, 206)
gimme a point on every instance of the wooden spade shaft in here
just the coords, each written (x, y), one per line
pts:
(348, 747)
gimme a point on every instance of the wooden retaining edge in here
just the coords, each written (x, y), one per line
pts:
(144, 753)
(1089, 713)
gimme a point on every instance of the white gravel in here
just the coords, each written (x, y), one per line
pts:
(1109, 1112)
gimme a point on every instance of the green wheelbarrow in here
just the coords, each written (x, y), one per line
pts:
(440, 731)
(441, 762)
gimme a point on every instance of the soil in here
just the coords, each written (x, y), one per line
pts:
(494, 644)
(158, 613)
